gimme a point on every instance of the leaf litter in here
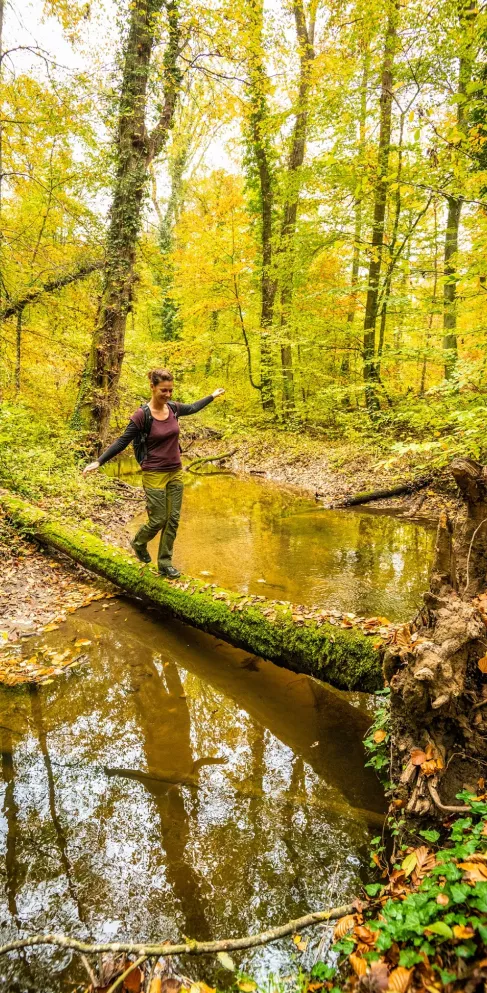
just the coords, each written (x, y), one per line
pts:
(37, 593)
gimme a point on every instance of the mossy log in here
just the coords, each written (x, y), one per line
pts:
(345, 658)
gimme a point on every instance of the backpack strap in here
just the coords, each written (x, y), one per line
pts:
(174, 408)
(147, 420)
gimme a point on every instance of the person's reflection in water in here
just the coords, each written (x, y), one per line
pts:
(165, 725)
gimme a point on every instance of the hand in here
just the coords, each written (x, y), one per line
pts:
(91, 468)
(218, 393)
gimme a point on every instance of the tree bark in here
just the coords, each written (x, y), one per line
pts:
(135, 150)
(259, 138)
(435, 666)
(380, 202)
(305, 36)
(467, 16)
(346, 657)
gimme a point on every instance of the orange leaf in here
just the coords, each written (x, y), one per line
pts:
(379, 736)
(417, 756)
(133, 982)
(482, 664)
(365, 934)
(475, 872)
(358, 964)
(399, 979)
(463, 931)
(425, 861)
(343, 926)
(443, 900)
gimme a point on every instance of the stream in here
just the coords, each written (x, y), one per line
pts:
(175, 785)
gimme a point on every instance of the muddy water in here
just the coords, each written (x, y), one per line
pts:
(173, 785)
(257, 537)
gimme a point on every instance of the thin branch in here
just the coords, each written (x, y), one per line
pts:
(210, 458)
(133, 965)
(33, 295)
(188, 947)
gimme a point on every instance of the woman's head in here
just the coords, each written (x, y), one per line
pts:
(161, 383)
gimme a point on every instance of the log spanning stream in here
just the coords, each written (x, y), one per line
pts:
(175, 785)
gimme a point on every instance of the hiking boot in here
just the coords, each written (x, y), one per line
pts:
(141, 552)
(169, 572)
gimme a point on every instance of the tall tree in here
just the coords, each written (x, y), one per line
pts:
(257, 88)
(135, 149)
(305, 37)
(379, 213)
(467, 15)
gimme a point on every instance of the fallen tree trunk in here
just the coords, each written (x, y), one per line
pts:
(369, 496)
(302, 641)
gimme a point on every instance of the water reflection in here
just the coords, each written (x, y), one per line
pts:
(257, 537)
(175, 786)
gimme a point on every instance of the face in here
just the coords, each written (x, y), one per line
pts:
(163, 391)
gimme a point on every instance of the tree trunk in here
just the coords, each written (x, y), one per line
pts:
(344, 657)
(380, 202)
(259, 138)
(18, 350)
(436, 666)
(135, 150)
(357, 233)
(305, 36)
(170, 319)
(467, 17)
(450, 344)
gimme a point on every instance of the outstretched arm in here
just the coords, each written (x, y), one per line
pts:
(184, 409)
(118, 446)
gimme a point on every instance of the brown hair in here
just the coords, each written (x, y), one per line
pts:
(156, 376)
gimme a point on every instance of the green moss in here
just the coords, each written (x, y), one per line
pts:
(345, 658)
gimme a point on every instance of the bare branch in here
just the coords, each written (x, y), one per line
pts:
(187, 947)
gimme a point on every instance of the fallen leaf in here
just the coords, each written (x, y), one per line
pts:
(462, 931)
(248, 985)
(133, 982)
(365, 935)
(169, 984)
(226, 961)
(409, 863)
(443, 899)
(51, 627)
(301, 943)
(400, 979)
(474, 872)
(425, 861)
(417, 756)
(379, 977)
(380, 736)
(482, 664)
(440, 928)
(82, 642)
(343, 926)
(359, 965)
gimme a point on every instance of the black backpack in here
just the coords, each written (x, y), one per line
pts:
(140, 442)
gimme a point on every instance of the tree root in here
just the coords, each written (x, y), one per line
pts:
(185, 948)
(445, 808)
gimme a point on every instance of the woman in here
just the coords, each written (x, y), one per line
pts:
(162, 471)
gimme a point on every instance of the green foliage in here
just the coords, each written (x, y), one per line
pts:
(377, 740)
(424, 921)
(41, 459)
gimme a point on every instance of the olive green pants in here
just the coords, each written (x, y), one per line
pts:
(164, 511)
